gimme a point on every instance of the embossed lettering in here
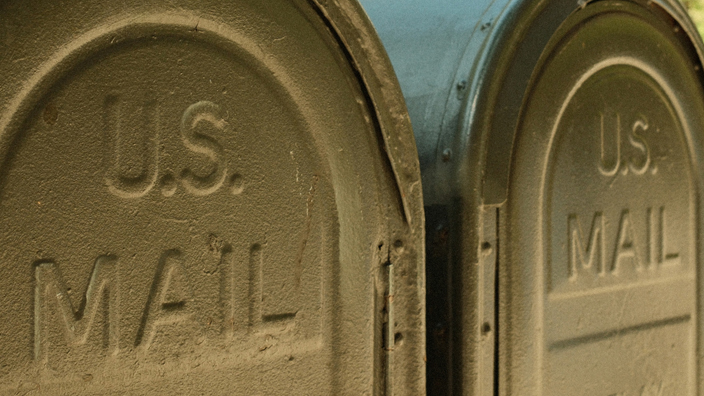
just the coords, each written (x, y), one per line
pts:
(658, 254)
(258, 313)
(611, 159)
(610, 168)
(245, 307)
(639, 165)
(134, 153)
(133, 158)
(625, 245)
(50, 286)
(198, 116)
(234, 298)
(586, 256)
(255, 285)
(170, 302)
(169, 297)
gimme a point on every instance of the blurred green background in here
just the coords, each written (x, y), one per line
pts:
(696, 11)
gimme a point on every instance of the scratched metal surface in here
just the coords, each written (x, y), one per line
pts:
(205, 197)
(560, 146)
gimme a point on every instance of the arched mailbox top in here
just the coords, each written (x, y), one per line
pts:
(560, 149)
(206, 196)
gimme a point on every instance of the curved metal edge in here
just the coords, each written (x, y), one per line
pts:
(511, 59)
(487, 131)
(677, 11)
(513, 56)
(405, 363)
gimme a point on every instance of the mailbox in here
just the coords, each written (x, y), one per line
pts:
(206, 197)
(560, 145)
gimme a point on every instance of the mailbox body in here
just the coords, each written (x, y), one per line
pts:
(560, 146)
(205, 197)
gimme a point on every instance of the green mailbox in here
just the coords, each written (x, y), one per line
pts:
(561, 147)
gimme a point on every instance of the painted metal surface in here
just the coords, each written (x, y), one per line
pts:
(560, 145)
(206, 197)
